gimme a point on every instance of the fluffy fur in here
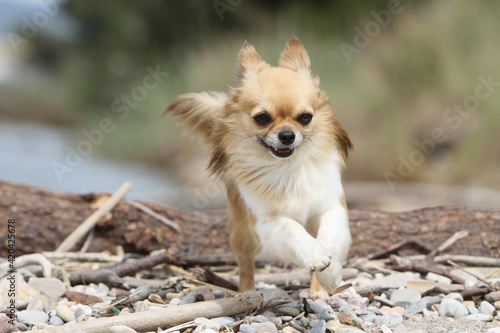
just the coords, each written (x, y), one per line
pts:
(278, 148)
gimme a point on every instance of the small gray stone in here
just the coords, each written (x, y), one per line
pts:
(258, 319)
(313, 322)
(319, 305)
(286, 318)
(50, 286)
(188, 299)
(223, 320)
(327, 314)
(405, 297)
(288, 311)
(56, 321)
(32, 317)
(218, 293)
(472, 309)
(430, 300)
(486, 307)
(65, 313)
(455, 296)
(320, 327)
(493, 297)
(245, 328)
(479, 317)
(389, 320)
(384, 301)
(368, 316)
(296, 324)
(450, 307)
(415, 308)
(79, 312)
(266, 327)
(142, 293)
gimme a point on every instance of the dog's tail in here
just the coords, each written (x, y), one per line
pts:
(197, 110)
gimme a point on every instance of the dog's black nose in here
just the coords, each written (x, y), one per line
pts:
(286, 137)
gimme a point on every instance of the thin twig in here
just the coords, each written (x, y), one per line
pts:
(112, 305)
(161, 218)
(470, 273)
(92, 220)
(88, 240)
(450, 241)
(469, 260)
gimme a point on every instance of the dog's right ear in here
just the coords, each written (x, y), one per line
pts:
(250, 62)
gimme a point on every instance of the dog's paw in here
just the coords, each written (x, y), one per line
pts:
(331, 277)
(316, 258)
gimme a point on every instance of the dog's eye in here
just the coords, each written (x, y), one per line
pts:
(305, 118)
(262, 119)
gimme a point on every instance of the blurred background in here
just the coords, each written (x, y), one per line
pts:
(416, 84)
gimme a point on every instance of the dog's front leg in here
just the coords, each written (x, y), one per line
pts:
(287, 240)
(335, 237)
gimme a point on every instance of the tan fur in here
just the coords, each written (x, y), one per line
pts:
(237, 143)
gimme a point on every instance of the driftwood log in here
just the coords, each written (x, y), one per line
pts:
(44, 219)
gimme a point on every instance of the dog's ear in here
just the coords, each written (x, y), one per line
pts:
(250, 62)
(295, 57)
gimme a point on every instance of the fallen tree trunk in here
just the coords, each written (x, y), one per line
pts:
(44, 219)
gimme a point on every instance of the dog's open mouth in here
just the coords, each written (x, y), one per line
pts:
(281, 152)
(278, 152)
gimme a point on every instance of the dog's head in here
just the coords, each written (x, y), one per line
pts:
(281, 112)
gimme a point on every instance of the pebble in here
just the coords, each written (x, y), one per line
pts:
(289, 329)
(383, 299)
(385, 329)
(430, 300)
(493, 330)
(41, 303)
(472, 309)
(56, 321)
(5, 326)
(480, 317)
(142, 293)
(296, 324)
(368, 316)
(348, 329)
(405, 297)
(266, 327)
(65, 313)
(269, 294)
(450, 307)
(32, 317)
(327, 314)
(415, 308)
(140, 306)
(320, 327)
(175, 301)
(319, 305)
(49, 286)
(24, 293)
(245, 328)
(346, 318)
(286, 318)
(455, 296)
(188, 299)
(438, 278)
(218, 293)
(121, 329)
(288, 311)
(493, 297)
(486, 307)
(223, 320)
(390, 320)
(258, 319)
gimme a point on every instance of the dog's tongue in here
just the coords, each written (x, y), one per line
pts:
(283, 150)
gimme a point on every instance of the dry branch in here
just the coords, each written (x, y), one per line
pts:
(167, 317)
(44, 219)
(92, 220)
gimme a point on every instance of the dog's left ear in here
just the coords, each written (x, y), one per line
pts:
(295, 57)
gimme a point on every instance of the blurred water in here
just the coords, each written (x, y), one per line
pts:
(27, 152)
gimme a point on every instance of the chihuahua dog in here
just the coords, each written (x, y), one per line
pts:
(278, 148)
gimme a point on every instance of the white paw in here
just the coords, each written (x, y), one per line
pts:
(316, 258)
(331, 277)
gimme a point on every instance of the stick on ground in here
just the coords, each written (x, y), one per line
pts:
(92, 220)
(167, 317)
